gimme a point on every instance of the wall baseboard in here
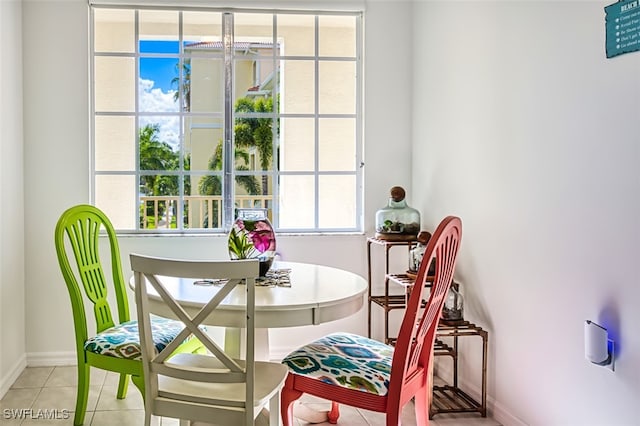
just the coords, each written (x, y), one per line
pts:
(51, 359)
(12, 375)
(504, 417)
(494, 409)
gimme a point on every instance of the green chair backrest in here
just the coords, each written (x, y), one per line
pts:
(79, 228)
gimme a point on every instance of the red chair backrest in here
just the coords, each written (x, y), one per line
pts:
(418, 329)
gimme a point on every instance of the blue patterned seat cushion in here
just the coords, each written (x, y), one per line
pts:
(123, 340)
(346, 360)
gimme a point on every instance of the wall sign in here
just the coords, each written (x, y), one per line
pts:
(622, 23)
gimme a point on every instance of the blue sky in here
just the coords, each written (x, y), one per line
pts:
(156, 91)
(159, 70)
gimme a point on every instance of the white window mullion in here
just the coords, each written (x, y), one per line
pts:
(92, 103)
(316, 122)
(181, 176)
(136, 110)
(275, 172)
(228, 181)
(359, 124)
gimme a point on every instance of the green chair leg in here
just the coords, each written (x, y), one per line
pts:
(123, 384)
(139, 382)
(82, 394)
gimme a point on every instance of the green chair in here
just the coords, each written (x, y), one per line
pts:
(115, 346)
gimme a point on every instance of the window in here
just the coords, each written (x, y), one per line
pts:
(198, 112)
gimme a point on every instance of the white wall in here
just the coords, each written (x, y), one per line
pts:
(56, 134)
(56, 152)
(12, 307)
(524, 129)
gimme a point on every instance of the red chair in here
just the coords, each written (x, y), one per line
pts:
(360, 372)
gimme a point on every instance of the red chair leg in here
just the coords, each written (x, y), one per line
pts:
(422, 403)
(393, 416)
(287, 397)
(334, 413)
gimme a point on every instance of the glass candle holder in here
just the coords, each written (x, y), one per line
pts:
(397, 221)
(452, 312)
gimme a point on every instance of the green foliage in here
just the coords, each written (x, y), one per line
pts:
(212, 185)
(256, 132)
(157, 155)
(239, 244)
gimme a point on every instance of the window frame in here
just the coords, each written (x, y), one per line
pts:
(229, 117)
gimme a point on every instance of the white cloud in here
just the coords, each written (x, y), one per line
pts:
(155, 100)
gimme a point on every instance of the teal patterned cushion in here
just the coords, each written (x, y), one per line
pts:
(346, 360)
(123, 340)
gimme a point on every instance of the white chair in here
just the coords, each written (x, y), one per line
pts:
(204, 388)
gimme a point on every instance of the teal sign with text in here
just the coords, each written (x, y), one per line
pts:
(622, 24)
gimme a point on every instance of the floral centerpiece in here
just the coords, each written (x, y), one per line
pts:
(252, 236)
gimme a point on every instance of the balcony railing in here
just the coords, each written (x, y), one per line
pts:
(200, 211)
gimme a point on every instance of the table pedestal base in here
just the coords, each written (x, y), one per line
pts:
(234, 345)
(235, 339)
(309, 415)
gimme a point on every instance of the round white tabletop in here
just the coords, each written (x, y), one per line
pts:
(317, 294)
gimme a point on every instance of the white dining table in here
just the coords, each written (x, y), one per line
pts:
(317, 294)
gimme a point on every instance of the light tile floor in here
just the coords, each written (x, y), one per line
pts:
(51, 391)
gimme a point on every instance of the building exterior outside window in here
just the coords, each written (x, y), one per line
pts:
(198, 112)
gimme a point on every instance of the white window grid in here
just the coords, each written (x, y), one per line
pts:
(230, 116)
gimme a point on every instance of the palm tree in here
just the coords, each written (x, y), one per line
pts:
(212, 185)
(186, 84)
(157, 155)
(256, 132)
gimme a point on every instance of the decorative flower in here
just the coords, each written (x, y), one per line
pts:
(251, 238)
(262, 237)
